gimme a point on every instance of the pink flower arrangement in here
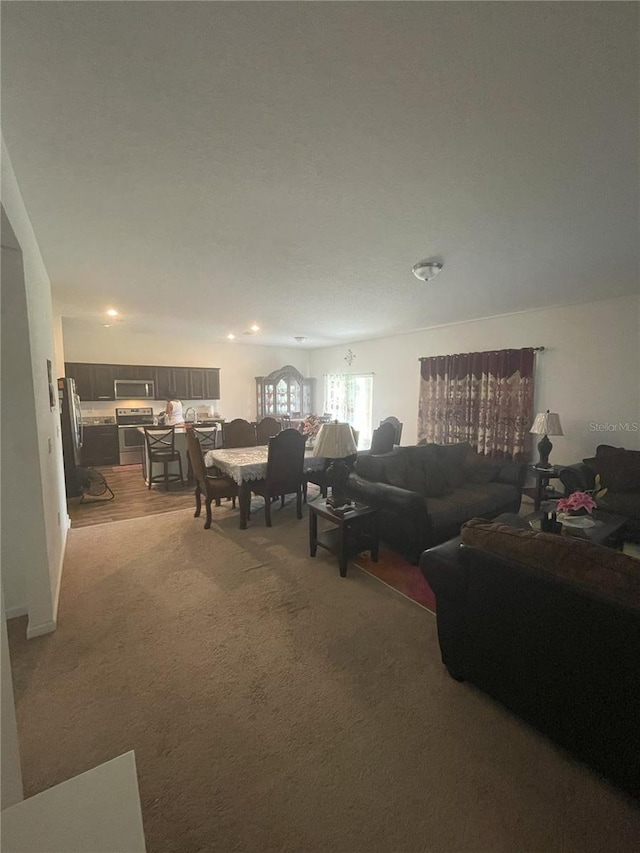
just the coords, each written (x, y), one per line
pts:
(311, 426)
(575, 502)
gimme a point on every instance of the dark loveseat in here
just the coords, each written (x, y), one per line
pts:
(424, 493)
(549, 626)
(619, 472)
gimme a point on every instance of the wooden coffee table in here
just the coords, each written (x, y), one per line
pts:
(354, 530)
(605, 531)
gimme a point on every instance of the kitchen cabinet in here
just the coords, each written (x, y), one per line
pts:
(100, 445)
(211, 383)
(103, 377)
(95, 381)
(83, 376)
(284, 392)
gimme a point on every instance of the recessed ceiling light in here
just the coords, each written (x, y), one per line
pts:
(107, 325)
(255, 328)
(426, 270)
(231, 337)
(112, 312)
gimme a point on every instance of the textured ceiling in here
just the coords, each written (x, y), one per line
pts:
(288, 163)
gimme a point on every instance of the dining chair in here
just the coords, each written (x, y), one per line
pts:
(285, 463)
(161, 448)
(213, 488)
(397, 425)
(238, 433)
(206, 437)
(383, 439)
(267, 428)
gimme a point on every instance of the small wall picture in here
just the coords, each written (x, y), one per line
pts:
(52, 391)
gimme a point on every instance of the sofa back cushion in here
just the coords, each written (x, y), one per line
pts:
(619, 469)
(424, 474)
(451, 460)
(590, 566)
(479, 469)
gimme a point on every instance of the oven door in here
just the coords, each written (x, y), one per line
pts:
(130, 443)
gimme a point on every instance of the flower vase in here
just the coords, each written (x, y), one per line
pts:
(576, 512)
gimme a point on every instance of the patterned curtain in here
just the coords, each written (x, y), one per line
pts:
(485, 398)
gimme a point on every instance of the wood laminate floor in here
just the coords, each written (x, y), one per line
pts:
(132, 498)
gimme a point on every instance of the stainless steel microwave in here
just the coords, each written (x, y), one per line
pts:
(134, 389)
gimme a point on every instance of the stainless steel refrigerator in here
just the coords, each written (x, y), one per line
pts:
(71, 426)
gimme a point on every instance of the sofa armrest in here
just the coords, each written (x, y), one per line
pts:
(393, 498)
(441, 568)
(512, 474)
(576, 478)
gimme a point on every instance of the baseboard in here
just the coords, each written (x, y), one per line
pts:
(39, 630)
(63, 551)
(14, 612)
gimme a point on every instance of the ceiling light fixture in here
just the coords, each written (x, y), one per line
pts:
(231, 337)
(299, 338)
(112, 312)
(426, 270)
(255, 328)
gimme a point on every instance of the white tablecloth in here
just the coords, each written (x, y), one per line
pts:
(250, 463)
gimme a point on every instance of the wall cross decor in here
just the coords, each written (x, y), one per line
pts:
(349, 357)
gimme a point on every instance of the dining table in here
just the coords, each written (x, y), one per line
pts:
(248, 464)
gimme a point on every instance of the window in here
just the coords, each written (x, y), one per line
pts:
(348, 397)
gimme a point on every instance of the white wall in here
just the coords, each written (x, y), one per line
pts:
(239, 364)
(589, 371)
(11, 777)
(34, 504)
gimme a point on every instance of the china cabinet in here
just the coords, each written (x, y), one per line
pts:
(284, 392)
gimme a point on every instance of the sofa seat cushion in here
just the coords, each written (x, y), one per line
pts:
(622, 503)
(468, 501)
(593, 567)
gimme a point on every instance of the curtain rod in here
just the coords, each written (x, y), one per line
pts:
(425, 357)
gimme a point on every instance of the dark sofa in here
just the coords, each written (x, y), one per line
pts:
(424, 493)
(549, 626)
(619, 472)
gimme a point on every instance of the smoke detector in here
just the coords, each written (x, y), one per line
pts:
(300, 338)
(426, 270)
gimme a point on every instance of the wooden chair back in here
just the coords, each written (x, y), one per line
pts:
(160, 440)
(267, 428)
(397, 425)
(238, 433)
(285, 462)
(196, 457)
(206, 437)
(383, 439)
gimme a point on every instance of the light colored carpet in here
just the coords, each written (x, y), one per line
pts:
(274, 706)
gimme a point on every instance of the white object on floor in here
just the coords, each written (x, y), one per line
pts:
(97, 811)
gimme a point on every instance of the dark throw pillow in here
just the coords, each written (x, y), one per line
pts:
(479, 469)
(619, 469)
(424, 474)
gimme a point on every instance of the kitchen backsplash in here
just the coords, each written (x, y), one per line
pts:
(96, 409)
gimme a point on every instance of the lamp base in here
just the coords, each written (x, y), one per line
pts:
(337, 474)
(544, 449)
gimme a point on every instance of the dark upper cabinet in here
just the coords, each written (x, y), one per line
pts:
(196, 384)
(163, 380)
(83, 375)
(95, 381)
(212, 383)
(103, 377)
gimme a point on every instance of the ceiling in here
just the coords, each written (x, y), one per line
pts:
(286, 164)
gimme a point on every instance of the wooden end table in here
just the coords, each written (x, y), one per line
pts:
(354, 530)
(540, 492)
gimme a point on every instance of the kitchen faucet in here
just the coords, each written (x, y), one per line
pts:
(186, 413)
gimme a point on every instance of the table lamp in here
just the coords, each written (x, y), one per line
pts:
(546, 423)
(335, 441)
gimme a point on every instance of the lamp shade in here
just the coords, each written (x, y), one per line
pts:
(334, 441)
(547, 423)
